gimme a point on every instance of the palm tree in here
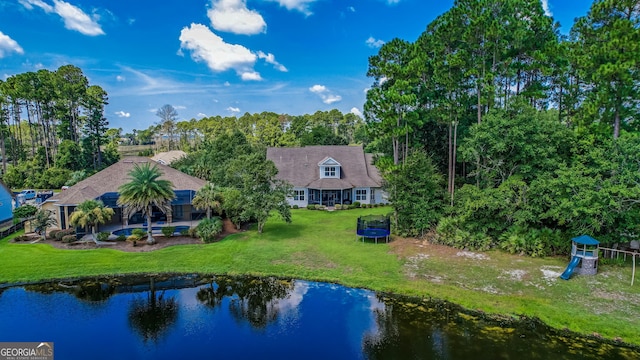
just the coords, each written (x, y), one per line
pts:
(210, 198)
(91, 213)
(144, 191)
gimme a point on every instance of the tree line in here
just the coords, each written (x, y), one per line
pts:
(519, 136)
(52, 128)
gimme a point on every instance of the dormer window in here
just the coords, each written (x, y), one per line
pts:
(329, 168)
(330, 171)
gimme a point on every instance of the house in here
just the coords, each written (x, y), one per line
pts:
(104, 186)
(167, 157)
(328, 175)
(6, 202)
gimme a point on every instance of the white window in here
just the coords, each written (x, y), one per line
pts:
(298, 195)
(330, 171)
(361, 194)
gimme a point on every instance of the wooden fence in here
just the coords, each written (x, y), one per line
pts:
(12, 229)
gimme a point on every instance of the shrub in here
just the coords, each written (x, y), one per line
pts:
(168, 231)
(103, 236)
(25, 211)
(208, 229)
(68, 239)
(136, 235)
(62, 233)
(295, 206)
(319, 207)
(311, 207)
(449, 232)
(185, 232)
(121, 238)
(52, 233)
(352, 206)
(356, 204)
(21, 238)
(139, 232)
(338, 207)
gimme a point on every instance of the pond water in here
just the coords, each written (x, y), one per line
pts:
(222, 317)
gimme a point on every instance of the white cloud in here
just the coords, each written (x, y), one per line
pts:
(120, 78)
(226, 83)
(250, 76)
(391, 2)
(373, 43)
(545, 6)
(327, 96)
(318, 89)
(74, 18)
(300, 5)
(180, 107)
(351, 8)
(123, 114)
(234, 16)
(201, 115)
(8, 45)
(271, 59)
(356, 111)
(233, 109)
(219, 56)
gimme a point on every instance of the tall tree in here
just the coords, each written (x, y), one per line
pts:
(608, 58)
(168, 118)
(95, 123)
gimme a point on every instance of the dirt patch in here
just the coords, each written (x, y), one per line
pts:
(141, 246)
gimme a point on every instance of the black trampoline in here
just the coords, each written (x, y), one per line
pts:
(374, 227)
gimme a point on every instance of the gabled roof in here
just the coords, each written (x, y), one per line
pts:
(300, 166)
(329, 161)
(111, 178)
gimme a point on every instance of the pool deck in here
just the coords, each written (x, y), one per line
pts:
(113, 227)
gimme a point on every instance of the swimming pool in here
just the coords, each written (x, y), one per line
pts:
(127, 231)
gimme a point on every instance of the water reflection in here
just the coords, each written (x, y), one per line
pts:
(251, 299)
(431, 329)
(153, 316)
(89, 290)
(167, 317)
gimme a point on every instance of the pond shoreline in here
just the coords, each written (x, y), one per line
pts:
(602, 306)
(501, 320)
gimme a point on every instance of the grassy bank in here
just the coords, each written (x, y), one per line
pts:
(322, 246)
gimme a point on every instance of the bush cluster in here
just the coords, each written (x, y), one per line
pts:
(21, 238)
(208, 229)
(57, 235)
(168, 231)
(68, 239)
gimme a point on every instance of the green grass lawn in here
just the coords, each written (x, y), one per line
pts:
(322, 246)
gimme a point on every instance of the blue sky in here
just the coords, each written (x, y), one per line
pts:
(218, 57)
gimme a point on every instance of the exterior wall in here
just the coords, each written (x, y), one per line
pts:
(301, 203)
(6, 205)
(380, 196)
(366, 199)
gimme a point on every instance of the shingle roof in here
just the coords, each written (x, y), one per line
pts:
(299, 166)
(167, 157)
(110, 179)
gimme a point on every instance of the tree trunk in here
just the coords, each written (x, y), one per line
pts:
(449, 164)
(453, 168)
(150, 239)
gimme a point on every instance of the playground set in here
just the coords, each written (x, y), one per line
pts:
(584, 256)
